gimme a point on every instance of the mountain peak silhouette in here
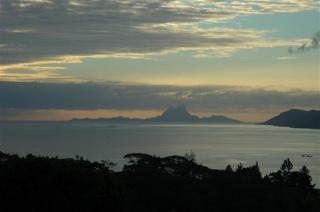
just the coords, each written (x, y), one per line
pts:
(177, 113)
(178, 110)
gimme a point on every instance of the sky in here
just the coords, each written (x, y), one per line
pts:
(64, 59)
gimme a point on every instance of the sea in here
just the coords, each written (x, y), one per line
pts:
(214, 145)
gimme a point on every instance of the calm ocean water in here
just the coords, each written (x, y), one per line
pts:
(215, 146)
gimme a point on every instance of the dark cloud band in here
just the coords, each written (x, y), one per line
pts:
(33, 95)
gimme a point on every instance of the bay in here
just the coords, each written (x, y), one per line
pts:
(215, 146)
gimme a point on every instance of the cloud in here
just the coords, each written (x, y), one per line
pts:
(120, 96)
(311, 44)
(33, 32)
(286, 58)
(35, 72)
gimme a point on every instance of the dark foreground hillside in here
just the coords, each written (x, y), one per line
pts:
(149, 183)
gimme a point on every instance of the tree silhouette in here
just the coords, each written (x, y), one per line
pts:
(229, 169)
(286, 167)
(304, 170)
(191, 156)
(149, 183)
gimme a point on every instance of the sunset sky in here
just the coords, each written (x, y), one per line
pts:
(61, 59)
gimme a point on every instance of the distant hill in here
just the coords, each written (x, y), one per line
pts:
(113, 119)
(297, 119)
(172, 114)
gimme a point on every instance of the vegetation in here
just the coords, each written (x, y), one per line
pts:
(149, 183)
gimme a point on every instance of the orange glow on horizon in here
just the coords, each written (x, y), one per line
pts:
(64, 115)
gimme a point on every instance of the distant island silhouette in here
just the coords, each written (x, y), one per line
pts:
(172, 114)
(296, 118)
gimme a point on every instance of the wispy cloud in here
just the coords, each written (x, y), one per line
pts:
(311, 44)
(34, 33)
(287, 58)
